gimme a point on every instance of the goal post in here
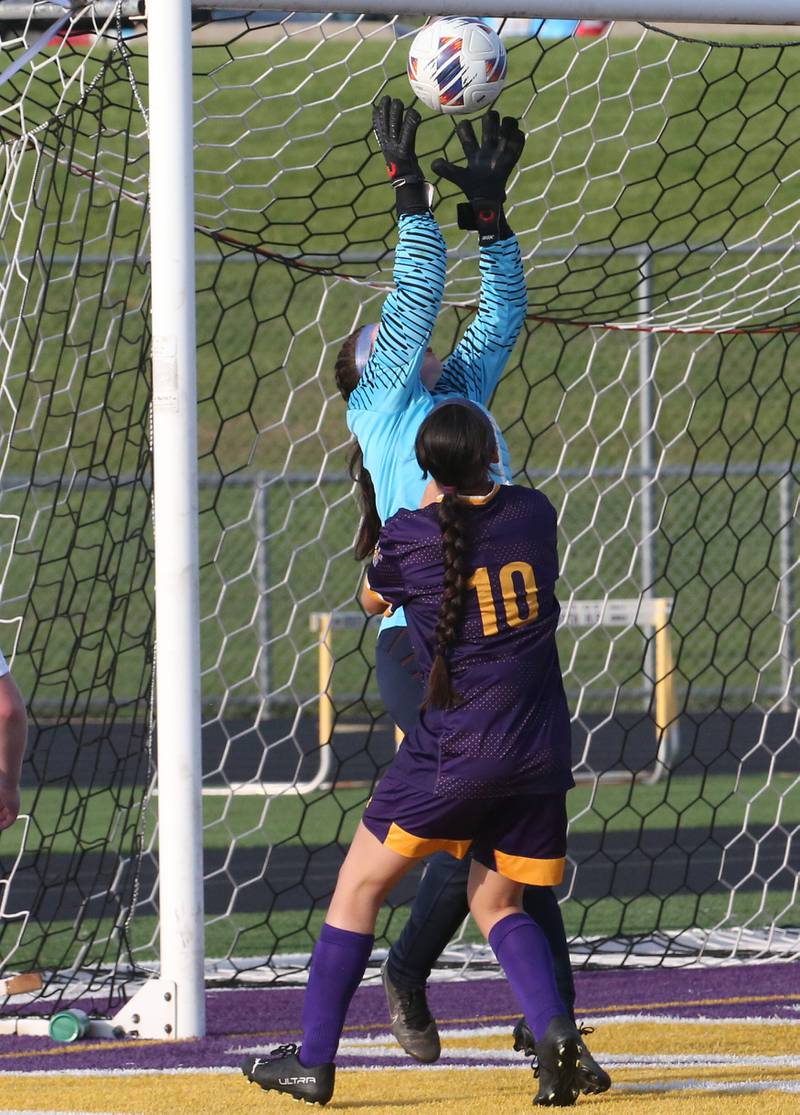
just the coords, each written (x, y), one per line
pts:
(175, 505)
(193, 218)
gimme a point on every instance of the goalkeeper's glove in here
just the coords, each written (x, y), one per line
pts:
(396, 129)
(484, 178)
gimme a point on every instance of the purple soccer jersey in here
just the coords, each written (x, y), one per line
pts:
(510, 734)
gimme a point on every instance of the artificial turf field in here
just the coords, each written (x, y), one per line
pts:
(707, 1041)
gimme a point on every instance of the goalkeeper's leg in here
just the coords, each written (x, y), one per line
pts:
(439, 908)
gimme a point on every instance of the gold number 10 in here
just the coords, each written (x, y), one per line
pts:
(510, 593)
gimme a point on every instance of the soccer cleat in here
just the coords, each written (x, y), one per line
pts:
(592, 1078)
(281, 1071)
(412, 1022)
(524, 1041)
(559, 1062)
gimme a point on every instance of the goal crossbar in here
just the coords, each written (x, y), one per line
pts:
(770, 12)
(781, 12)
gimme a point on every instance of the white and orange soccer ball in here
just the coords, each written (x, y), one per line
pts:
(457, 65)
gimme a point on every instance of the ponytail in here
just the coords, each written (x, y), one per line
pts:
(370, 526)
(456, 446)
(453, 524)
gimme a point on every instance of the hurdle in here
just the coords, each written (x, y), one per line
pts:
(651, 613)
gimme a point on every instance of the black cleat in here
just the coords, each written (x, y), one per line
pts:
(281, 1071)
(412, 1022)
(524, 1041)
(592, 1078)
(559, 1057)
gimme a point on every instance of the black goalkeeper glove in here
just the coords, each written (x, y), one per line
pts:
(486, 174)
(396, 130)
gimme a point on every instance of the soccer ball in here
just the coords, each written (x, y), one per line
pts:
(457, 65)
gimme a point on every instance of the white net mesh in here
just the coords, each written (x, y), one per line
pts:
(652, 397)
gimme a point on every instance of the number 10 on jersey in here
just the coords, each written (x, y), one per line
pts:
(518, 593)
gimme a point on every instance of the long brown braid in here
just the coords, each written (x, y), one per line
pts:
(452, 514)
(456, 444)
(346, 376)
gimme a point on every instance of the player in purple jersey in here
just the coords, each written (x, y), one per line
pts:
(487, 765)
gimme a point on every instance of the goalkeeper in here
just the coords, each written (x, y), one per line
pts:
(391, 380)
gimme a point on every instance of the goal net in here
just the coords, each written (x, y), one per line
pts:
(653, 397)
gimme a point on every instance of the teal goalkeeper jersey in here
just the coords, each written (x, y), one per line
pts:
(388, 406)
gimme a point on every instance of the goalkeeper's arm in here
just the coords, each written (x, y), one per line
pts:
(477, 363)
(390, 375)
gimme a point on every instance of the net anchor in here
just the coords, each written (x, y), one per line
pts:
(151, 1013)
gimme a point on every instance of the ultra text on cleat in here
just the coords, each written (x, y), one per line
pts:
(282, 1072)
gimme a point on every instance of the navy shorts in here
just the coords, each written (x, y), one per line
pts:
(523, 838)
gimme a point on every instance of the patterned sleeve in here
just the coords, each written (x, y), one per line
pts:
(385, 575)
(407, 319)
(478, 361)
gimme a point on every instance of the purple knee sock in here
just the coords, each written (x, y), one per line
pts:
(524, 955)
(337, 966)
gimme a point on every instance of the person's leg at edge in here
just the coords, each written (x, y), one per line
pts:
(340, 956)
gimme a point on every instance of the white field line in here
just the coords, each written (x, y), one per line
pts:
(665, 1086)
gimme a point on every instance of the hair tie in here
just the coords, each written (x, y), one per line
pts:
(448, 489)
(364, 342)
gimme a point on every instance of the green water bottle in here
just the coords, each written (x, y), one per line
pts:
(69, 1025)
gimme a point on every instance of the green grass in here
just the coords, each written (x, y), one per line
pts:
(80, 820)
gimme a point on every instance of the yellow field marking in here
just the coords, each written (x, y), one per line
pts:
(730, 1000)
(92, 1047)
(596, 1016)
(656, 1036)
(415, 1092)
(376, 1027)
